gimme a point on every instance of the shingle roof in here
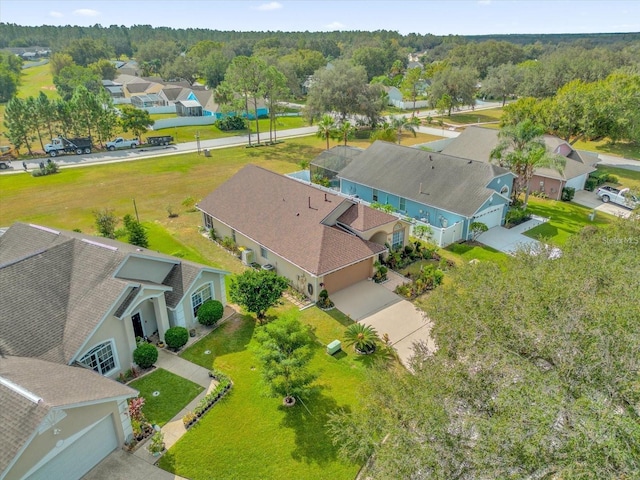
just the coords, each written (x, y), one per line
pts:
(450, 183)
(285, 216)
(19, 416)
(362, 218)
(476, 143)
(57, 286)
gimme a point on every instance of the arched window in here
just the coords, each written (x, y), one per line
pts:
(101, 358)
(504, 190)
(398, 236)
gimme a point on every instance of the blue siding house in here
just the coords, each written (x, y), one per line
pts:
(444, 192)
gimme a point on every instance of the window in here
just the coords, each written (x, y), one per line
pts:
(199, 297)
(403, 204)
(504, 190)
(263, 253)
(374, 195)
(208, 221)
(100, 358)
(398, 237)
(233, 235)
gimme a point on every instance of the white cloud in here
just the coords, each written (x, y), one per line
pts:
(86, 12)
(335, 26)
(269, 6)
(56, 14)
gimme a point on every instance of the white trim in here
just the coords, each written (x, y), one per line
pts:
(114, 354)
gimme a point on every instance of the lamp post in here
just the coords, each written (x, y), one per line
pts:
(198, 140)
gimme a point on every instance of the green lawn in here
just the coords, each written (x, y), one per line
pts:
(175, 393)
(565, 219)
(626, 177)
(250, 435)
(469, 251)
(481, 116)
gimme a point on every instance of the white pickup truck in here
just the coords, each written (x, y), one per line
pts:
(620, 196)
(122, 143)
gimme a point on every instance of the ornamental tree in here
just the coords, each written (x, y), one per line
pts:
(257, 291)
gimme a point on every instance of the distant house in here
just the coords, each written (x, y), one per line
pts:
(396, 99)
(73, 307)
(188, 108)
(476, 143)
(315, 238)
(148, 100)
(445, 192)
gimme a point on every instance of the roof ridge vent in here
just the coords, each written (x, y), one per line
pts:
(20, 390)
(101, 245)
(45, 229)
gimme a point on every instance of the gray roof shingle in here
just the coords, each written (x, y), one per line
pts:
(476, 143)
(450, 183)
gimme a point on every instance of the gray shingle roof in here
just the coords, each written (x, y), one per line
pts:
(476, 143)
(361, 218)
(57, 386)
(450, 183)
(57, 286)
(285, 216)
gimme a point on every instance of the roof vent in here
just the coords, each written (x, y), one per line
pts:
(433, 167)
(101, 245)
(470, 162)
(50, 230)
(430, 158)
(20, 390)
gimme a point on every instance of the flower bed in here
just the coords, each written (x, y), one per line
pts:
(224, 385)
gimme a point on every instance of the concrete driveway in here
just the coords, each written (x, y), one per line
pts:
(508, 240)
(121, 465)
(373, 304)
(591, 200)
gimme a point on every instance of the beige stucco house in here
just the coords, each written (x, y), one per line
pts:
(72, 306)
(315, 238)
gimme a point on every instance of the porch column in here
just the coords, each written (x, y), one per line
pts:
(162, 316)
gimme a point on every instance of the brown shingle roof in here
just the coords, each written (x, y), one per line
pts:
(285, 217)
(57, 386)
(361, 218)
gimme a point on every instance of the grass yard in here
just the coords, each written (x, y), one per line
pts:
(621, 149)
(626, 177)
(565, 219)
(465, 252)
(251, 435)
(175, 394)
(480, 116)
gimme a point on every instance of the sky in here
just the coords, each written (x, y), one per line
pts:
(438, 17)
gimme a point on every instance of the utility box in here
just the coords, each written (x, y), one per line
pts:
(334, 347)
(207, 153)
(247, 256)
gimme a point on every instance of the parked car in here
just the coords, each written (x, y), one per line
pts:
(622, 196)
(122, 143)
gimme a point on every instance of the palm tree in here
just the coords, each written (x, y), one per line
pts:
(363, 337)
(521, 149)
(403, 123)
(326, 128)
(385, 132)
(344, 131)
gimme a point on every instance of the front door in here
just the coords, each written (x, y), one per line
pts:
(137, 325)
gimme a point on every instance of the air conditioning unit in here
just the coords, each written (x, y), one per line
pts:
(247, 256)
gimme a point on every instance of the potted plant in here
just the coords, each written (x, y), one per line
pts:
(156, 446)
(189, 419)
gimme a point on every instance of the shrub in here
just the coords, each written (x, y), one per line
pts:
(568, 193)
(591, 184)
(233, 122)
(210, 312)
(516, 215)
(176, 337)
(362, 337)
(145, 355)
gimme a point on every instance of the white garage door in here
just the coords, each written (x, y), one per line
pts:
(491, 217)
(81, 455)
(577, 182)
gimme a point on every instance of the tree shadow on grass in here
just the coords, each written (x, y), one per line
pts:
(288, 152)
(308, 418)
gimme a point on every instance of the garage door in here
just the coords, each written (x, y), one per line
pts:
(348, 276)
(491, 217)
(82, 454)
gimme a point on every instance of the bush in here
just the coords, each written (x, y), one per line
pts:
(568, 193)
(176, 337)
(233, 122)
(516, 215)
(145, 355)
(210, 312)
(591, 184)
